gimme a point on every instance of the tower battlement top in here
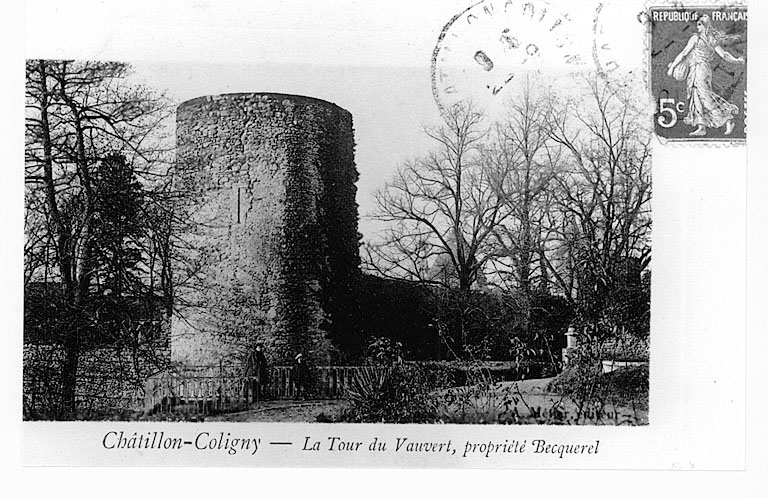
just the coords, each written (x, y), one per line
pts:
(255, 97)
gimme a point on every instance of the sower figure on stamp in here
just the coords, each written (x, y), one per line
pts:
(300, 377)
(706, 109)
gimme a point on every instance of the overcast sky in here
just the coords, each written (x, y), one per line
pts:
(371, 58)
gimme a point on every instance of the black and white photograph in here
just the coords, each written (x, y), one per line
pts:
(273, 256)
(427, 234)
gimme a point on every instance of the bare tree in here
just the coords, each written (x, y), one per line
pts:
(555, 199)
(523, 161)
(78, 115)
(441, 211)
(602, 211)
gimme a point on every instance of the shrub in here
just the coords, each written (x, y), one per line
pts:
(629, 386)
(595, 392)
(384, 351)
(582, 379)
(401, 394)
(499, 407)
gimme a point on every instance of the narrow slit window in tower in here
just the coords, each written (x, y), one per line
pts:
(237, 198)
(239, 202)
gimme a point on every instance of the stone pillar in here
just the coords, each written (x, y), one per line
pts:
(571, 343)
(269, 184)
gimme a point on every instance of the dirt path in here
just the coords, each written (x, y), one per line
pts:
(285, 411)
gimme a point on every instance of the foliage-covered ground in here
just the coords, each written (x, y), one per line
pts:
(529, 401)
(535, 402)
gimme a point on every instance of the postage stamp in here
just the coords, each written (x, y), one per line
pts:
(698, 72)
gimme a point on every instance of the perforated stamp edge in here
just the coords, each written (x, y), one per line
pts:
(645, 18)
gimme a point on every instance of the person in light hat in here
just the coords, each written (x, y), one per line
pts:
(300, 377)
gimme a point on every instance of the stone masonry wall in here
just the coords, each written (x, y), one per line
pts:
(107, 376)
(272, 244)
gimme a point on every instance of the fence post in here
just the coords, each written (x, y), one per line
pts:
(149, 398)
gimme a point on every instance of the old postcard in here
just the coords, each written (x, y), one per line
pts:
(476, 234)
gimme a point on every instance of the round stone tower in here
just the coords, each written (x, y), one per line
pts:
(271, 247)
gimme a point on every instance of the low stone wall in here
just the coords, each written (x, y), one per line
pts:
(618, 349)
(107, 376)
(625, 348)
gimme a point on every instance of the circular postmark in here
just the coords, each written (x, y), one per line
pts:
(618, 49)
(618, 41)
(483, 48)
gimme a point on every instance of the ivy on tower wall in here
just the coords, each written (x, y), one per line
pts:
(273, 250)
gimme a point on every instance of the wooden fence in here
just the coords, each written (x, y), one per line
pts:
(209, 390)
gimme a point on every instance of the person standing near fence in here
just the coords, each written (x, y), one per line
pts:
(262, 372)
(255, 375)
(300, 377)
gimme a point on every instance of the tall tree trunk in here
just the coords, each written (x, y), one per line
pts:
(71, 363)
(63, 244)
(84, 258)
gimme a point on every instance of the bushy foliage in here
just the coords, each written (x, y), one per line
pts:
(384, 351)
(620, 305)
(488, 403)
(584, 396)
(437, 323)
(400, 311)
(598, 393)
(402, 394)
(582, 379)
(629, 386)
